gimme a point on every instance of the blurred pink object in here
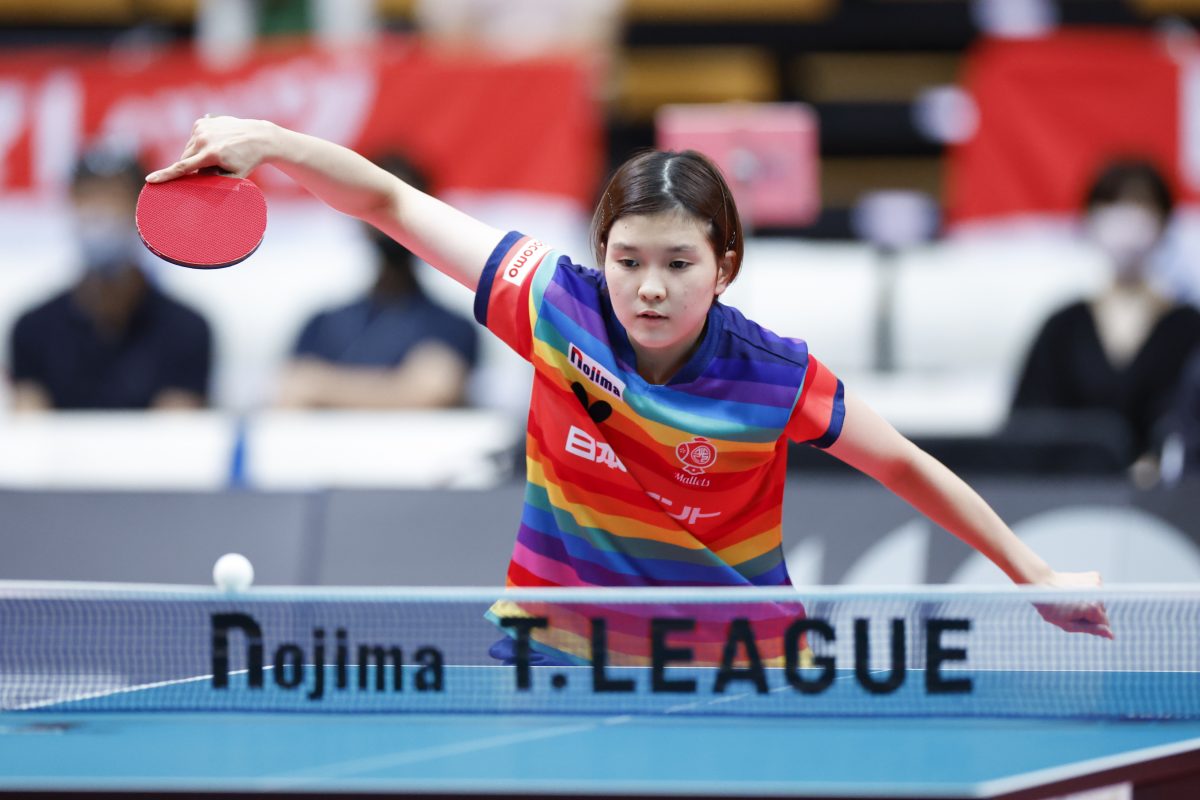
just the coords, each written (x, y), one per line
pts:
(768, 152)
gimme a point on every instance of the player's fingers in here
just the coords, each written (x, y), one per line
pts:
(1086, 618)
(1093, 613)
(190, 148)
(1097, 616)
(180, 168)
(1097, 613)
(200, 125)
(1087, 626)
(1081, 621)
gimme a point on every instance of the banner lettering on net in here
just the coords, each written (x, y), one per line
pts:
(470, 123)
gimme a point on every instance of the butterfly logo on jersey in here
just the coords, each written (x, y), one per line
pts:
(598, 411)
(697, 455)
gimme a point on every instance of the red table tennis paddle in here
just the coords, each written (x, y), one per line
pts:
(203, 221)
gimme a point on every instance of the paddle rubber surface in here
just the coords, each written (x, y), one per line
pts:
(202, 221)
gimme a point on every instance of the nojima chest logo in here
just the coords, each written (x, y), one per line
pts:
(595, 372)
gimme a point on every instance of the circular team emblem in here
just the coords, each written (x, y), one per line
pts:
(697, 455)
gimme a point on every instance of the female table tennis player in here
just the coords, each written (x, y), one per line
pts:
(659, 417)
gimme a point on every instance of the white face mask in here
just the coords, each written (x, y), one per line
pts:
(1126, 232)
(106, 245)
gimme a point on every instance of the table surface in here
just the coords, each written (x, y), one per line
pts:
(54, 749)
(743, 756)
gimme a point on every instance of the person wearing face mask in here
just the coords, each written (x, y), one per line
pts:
(394, 348)
(1123, 350)
(112, 340)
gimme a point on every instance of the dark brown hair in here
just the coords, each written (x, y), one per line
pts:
(1125, 177)
(661, 180)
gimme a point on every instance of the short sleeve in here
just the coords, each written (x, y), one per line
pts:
(821, 408)
(511, 288)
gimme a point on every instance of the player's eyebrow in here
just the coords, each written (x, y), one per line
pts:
(678, 248)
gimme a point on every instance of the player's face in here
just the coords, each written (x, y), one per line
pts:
(662, 277)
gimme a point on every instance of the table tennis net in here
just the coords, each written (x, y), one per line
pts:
(820, 652)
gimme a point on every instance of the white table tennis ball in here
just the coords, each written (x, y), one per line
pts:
(233, 572)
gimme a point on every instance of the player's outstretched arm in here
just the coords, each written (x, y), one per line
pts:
(871, 445)
(450, 240)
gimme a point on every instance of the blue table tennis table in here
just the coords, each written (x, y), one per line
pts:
(64, 752)
(111, 691)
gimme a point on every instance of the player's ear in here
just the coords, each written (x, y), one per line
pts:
(725, 271)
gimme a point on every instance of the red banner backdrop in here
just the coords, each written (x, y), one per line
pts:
(470, 123)
(1052, 110)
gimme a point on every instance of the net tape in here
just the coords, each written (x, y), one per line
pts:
(818, 652)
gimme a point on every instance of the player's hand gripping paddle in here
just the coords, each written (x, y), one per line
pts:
(203, 221)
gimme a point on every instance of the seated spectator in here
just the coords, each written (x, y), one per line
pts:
(112, 340)
(394, 348)
(1123, 350)
(1185, 426)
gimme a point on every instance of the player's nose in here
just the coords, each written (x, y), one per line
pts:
(651, 289)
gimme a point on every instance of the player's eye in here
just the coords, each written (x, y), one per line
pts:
(680, 264)
(627, 262)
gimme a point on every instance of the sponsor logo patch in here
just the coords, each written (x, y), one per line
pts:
(697, 456)
(524, 260)
(583, 444)
(692, 480)
(688, 514)
(598, 411)
(595, 372)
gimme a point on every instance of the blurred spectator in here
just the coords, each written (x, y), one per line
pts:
(1123, 350)
(1186, 424)
(394, 348)
(113, 339)
(586, 30)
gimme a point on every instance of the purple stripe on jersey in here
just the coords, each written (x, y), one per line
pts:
(556, 545)
(594, 573)
(778, 372)
(619, 569)
(541, 543)
(575, 310)
(577, 551)
(776, 576)
(763, 394)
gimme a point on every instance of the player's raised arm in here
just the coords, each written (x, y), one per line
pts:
(450, 240)
(871, 445)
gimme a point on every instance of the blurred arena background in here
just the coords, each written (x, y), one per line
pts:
(940, 197)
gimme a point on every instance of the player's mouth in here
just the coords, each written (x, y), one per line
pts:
(648, 314)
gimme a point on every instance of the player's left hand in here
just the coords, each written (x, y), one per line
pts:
(232, 146)
(1076, 616)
